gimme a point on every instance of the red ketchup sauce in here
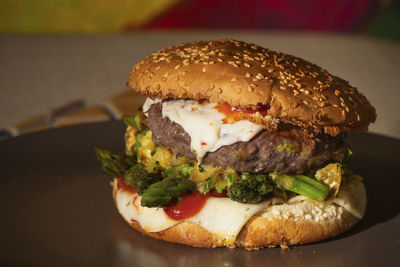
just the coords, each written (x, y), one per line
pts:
(187, 207)
(190, 205)
(233, 113)
(121, 185)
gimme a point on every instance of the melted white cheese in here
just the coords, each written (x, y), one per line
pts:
(148, 103)
(353, 197)
(204, 124)
(220, 216)
(225, 218)
(151, 219)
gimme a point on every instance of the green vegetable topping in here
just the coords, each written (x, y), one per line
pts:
(250, 189)
(138, 177)
(166, 192)
(208, 185)
(290, 147)
(182, 171)
(134, 121)
(114, 164)
(302, 185)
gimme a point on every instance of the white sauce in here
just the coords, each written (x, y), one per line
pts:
(204, 124)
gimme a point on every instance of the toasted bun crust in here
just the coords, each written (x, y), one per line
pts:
(259, 231)
(246, 75)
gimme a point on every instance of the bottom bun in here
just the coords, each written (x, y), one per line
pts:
(271, 228)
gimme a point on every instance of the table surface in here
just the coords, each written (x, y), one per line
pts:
(41, 72)
(57, 210)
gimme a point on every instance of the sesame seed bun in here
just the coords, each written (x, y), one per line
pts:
(280, 225)
(247, 75)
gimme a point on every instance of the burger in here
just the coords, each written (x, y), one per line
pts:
(238, 146)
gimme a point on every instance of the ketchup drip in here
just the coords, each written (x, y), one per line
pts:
(190, 205)
(233, 113)
(187, 207)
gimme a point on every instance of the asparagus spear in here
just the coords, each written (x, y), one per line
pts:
(167, 191)
(138, 177)
(302, 185)
(114, 164)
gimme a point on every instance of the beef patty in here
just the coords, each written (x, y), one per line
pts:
(289, 150)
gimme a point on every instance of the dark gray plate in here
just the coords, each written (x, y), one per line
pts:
(57, 210)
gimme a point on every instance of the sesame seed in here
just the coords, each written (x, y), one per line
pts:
(247, 65)
(322, 104)
(295, 92)
(238, 90)
(248, 75)
(177, 67)
(307, 92)
(220, 60)
(306, 102)
(163, 79)
(221, 54)
(158, 67)
(282, 87)
(337, 92)
(233, 80)
(250, 89)
(204, 69)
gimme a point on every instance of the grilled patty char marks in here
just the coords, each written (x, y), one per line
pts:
(286, 151)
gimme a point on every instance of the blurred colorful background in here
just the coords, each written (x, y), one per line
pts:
(75, 54)
(379, 18)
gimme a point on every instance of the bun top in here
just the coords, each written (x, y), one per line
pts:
(246, 75)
